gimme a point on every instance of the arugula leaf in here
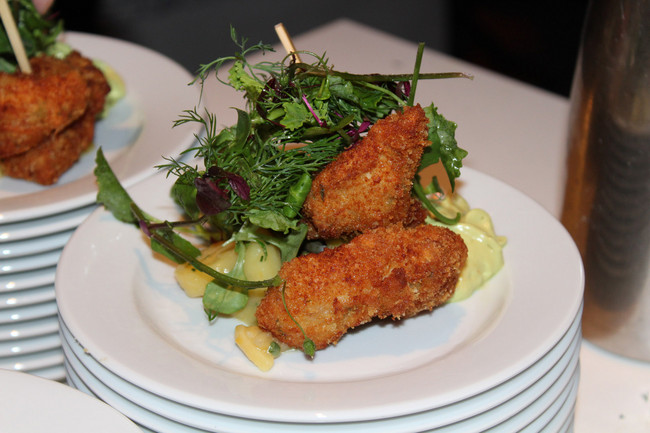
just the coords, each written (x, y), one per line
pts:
(242, 131)
(443, 146)
(111, 193)
(118, 201)
(220, 300)
(184, 194)
(180, 243)
(223, 300)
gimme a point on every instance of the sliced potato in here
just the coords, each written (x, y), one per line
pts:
(255, 344)
(262, 262)
(218, 256)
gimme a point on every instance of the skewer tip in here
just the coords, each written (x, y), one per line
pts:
(286, 41)
(14, 37)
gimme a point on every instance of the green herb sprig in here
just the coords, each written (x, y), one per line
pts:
(37, 33)
(308, 345)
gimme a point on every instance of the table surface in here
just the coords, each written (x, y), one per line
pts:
(513, 132)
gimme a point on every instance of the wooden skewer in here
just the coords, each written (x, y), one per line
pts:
(14, 37)
(287, 43)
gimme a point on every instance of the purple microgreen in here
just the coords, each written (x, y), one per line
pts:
(216, 173)
(355, 134)
(209, 197)
(405, 88)
(235, 181)
(313, 113)
(144, 227)
(239, 186)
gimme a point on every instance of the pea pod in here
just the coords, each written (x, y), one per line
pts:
(297, 195)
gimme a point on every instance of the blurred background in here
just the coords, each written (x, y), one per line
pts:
(535, 42)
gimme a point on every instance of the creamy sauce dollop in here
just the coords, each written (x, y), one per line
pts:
(484, 246)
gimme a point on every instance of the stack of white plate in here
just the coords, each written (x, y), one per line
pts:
(36, 221)
(506, 359)
(30, 250)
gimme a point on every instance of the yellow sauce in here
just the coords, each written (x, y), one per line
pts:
(484, 247)
(115, 82)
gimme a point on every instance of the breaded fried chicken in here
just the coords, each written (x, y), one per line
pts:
(48, 118)
(35, 106)
(388, 272)
(46, 162)
(98, 86)
(369, 185)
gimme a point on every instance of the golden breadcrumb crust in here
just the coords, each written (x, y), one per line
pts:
(388, 272)
(47, 118)
(369, 185)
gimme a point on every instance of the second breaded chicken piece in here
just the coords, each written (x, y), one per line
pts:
(35, 106)
(369, 185)
(45, 161)
(389, 272)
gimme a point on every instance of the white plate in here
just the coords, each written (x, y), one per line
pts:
(28, 312)
(154, 423)
(30, 263)
(10, 349)
(33, 361)
(135, 136)
(558, 416)
(29, 328)
(26, 297)
(36, 245)
(27, 280)
(562, 422)
(495, 405)
(401, 369)
(32, 404)
(34, 228)
(56, 372)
